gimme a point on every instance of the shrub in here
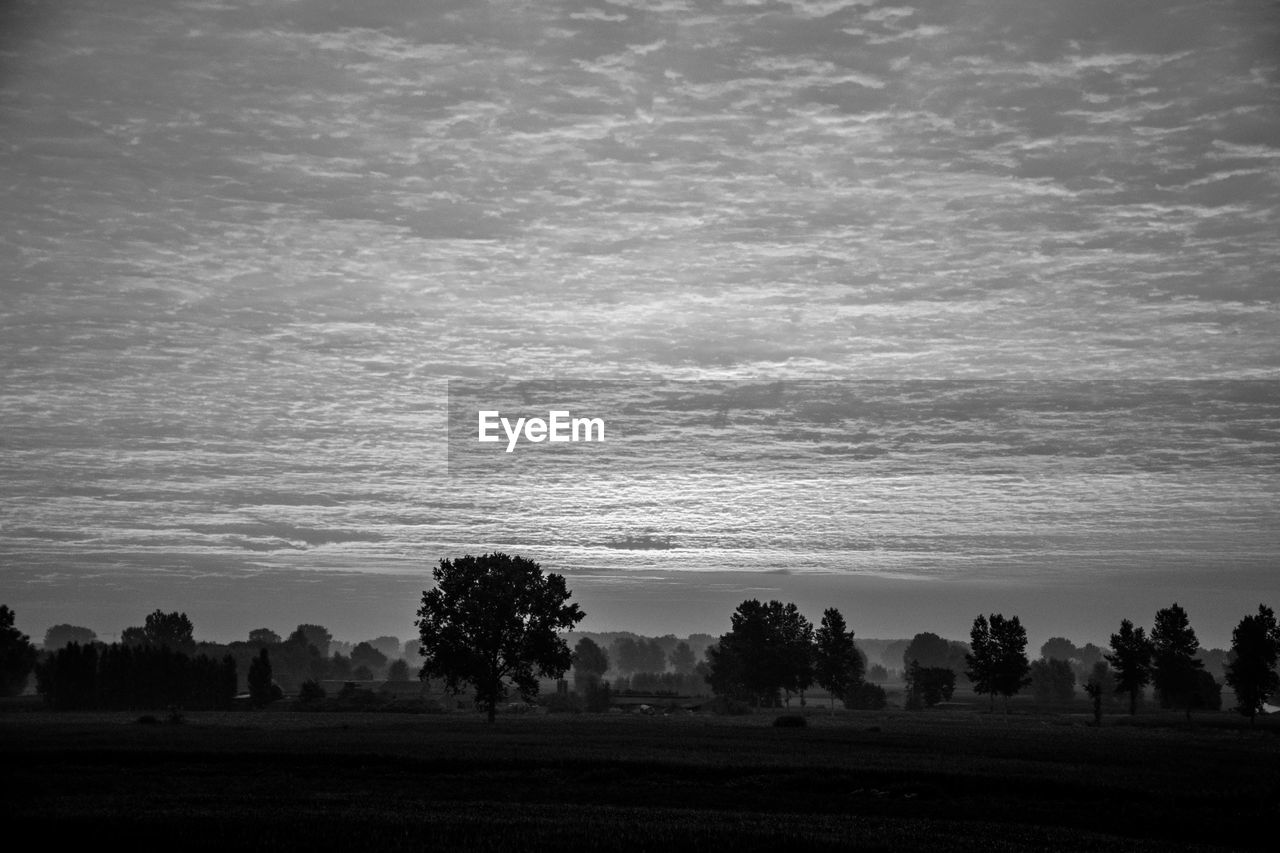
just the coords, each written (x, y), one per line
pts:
(310, 691)
(866, 697)
(790, 721)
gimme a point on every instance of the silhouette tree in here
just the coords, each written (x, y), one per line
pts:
(926, 649)
(998, 660)
(310, 692)
(769, 648)
(682, 658)
(59, 635)
(1131, 657)
(17, 655)
(495, 618)
(364, 654)
(264, 637)
(164, 630)
(838, 666)
(1255, 646)
(1058, 647)
(928, 685)
(317, 636)
(590, 663)
(260, 684)
(398, 671)
(1096, 687)
(1173, 658)
(388, 645)
(1052, 681)
(338, 667)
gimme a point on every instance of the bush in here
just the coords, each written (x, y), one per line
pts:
(866, 697)
(790, 721)
(310, 691)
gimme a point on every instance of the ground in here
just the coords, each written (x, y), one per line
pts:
(962, 780)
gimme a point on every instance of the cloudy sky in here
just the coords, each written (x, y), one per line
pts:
(246, 245)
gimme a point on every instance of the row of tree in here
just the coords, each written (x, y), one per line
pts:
(122, 677)
(493, 622)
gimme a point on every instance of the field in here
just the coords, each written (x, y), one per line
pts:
(893, 780)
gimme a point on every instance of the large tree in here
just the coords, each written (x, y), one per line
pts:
(316, 636)
(768, 650)
(58, 636)
(1255, 646)
(998, 660)
(1174, 665)
(682, 658)
(1131, 658)
(17, 655)
(172, 631)
(1052, 681)
(492, 619)
(838, 666)
(260, 683)
(590, 663)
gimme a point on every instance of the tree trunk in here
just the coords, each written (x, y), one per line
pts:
(1133, 703)
(493, 708)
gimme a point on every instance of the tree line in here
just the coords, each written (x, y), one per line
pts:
(493, 623)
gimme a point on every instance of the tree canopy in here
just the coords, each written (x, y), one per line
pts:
(1131, 658)
(17, 655)
(58, 636)
(838, 665)
(165, 630)
(590, 662)
(492, 619)
(998, 660)
(1174, 666)
(769, 648)
(1255, 646)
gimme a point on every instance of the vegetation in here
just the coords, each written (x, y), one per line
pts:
(165, 630)
(590, 663)
(493, 619)
(1096, 688)
(58, 636)
(838, 665)
(1131, 657)
(998, 663)
(1174, 666)
(663, 778)
(928, 685)
(17, 655)
(262, 690)
(1052, 681)
(120, 676)
(1255, 646)
(768, 651)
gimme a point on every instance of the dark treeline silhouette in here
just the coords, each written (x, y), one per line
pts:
(122, 677)
(771, 655)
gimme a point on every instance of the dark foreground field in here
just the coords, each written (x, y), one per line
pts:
(892, 781)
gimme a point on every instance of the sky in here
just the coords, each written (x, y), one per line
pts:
(246, 248)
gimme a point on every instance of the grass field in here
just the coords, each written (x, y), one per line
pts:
(873, 780)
